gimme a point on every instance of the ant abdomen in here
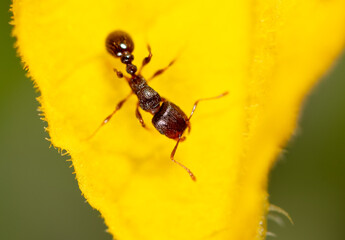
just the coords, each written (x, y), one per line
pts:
(118, 43)
(170, 120)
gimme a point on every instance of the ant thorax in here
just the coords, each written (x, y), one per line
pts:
(137, 82)
(149, 99)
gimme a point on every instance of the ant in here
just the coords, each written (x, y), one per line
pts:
(168, 118)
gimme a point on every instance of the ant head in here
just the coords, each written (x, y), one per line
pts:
(120, 44)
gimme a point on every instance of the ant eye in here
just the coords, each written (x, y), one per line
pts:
(119, 42)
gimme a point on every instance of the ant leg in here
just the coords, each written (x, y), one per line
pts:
(160, 71)
(139, 117)
(173, 155)
(203, 99)
(107, 119)
(119, 74)
(146, 60)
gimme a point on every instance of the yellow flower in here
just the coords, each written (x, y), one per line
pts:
(267, 53)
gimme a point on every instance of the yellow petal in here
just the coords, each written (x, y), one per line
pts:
(268, 54)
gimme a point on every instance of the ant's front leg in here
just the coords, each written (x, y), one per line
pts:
(139, 117)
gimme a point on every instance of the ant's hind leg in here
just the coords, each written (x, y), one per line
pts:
(146, 60)
(139, 117)
(173, 155)
(119, 74)
(160, 71)
(107, 119)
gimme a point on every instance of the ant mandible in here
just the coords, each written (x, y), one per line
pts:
(168, 118)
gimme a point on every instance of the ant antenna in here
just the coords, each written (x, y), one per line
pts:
(205, 99)
(173, 155)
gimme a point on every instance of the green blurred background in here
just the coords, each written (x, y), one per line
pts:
(40, 199)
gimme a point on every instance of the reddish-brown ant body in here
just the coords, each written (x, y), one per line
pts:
(168, 118)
